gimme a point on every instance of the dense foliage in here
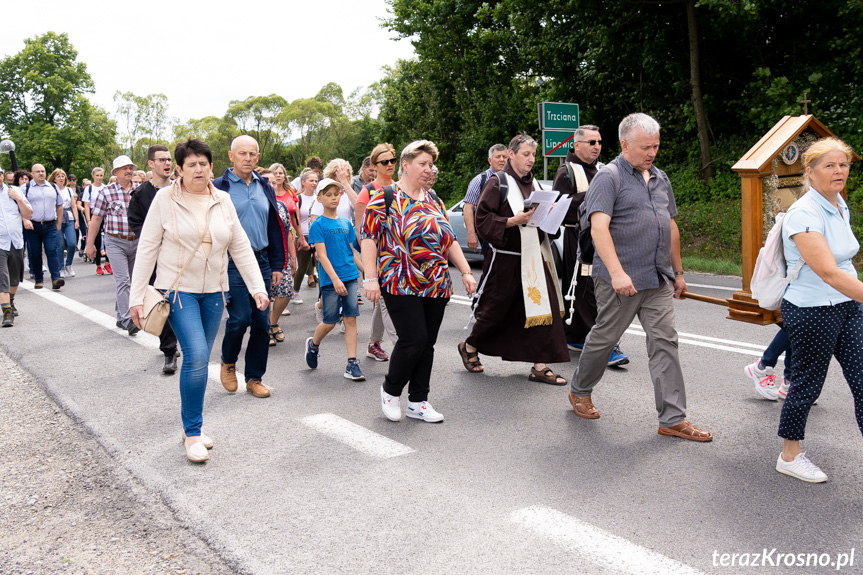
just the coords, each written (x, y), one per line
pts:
(482, 65)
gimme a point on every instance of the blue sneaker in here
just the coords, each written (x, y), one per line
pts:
(352, 371)
(575, 346)
(312, 354)
(617, 357)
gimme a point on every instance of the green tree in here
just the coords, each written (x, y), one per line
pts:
(43, 107)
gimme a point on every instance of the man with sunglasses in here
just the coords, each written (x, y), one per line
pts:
(159, 160)
(573, 178)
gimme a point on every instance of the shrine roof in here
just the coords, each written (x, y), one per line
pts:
(758, 159)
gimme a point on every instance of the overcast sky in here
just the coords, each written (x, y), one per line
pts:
(204, 54)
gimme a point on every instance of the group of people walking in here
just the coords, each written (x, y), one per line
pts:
(247, 240)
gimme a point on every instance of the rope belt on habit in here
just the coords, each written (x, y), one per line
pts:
(494, 252)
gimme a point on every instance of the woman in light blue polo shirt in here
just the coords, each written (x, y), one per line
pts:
(821, 309)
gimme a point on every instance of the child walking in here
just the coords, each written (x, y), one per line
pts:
(335, 243)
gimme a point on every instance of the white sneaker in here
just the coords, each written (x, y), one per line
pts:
(297, 300)
(765, 381)
(423, 410)
(783, 388)
(319, 312)
(341, 326)
(62, 272)
(391, 406)
(70, 273)
(801, 468)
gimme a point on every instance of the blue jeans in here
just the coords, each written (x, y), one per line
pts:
(334, 305)
(196, 324)
(42, 235)
(244, 314)
(67, 241)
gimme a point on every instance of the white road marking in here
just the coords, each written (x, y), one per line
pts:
(596, 545)
(106, 321)
(356, 436)
(733, 342)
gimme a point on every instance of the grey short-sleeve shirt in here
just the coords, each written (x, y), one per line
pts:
(640, 222)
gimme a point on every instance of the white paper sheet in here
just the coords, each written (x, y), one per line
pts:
(552, 222)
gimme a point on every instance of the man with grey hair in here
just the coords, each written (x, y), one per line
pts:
(518, 310)
(497, 157)
(255, 201)
(637, 271)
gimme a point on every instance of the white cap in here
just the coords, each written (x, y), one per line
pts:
(326, 183)
(122, 162)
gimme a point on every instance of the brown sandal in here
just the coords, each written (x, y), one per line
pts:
(470, 360)
(686, 430)
(545, 376)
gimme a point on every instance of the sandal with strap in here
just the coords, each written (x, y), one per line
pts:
(545, 376)
(469, 359)
(277, 333)
(686, 430)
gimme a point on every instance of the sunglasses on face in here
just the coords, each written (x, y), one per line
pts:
(590, 142)
(389, 162)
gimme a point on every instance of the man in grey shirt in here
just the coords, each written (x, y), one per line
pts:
(637, 270)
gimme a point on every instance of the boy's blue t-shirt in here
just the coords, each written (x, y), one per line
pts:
(337, 235)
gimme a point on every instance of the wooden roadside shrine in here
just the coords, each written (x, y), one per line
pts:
(771, 175)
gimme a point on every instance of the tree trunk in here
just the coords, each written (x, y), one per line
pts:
(697, 101)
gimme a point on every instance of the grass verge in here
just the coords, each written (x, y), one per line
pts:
(711, 266)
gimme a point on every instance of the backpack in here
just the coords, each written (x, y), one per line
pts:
(586, 249)
(770, 278)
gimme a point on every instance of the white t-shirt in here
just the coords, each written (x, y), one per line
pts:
(344, 209)
(296, 183)
(307, 204)
(90, 192)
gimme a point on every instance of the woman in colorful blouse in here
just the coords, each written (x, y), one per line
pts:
(405, 247)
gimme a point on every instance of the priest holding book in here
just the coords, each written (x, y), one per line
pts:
(519, 308)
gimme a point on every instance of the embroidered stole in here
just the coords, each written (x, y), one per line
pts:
(537, 305)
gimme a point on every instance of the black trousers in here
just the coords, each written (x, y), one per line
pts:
(417, 321)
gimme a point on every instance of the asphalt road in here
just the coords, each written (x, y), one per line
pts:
(315, 480)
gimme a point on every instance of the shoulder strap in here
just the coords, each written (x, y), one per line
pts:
(27, 188)
(482, 180)
(437, 200)
(503, 184)
(389, 195)
(570, 174)
(615, 174)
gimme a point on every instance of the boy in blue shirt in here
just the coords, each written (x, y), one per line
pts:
(335, 244)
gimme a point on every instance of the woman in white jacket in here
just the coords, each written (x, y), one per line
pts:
(188, 232)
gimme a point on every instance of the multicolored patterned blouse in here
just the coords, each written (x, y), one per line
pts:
(412, 244)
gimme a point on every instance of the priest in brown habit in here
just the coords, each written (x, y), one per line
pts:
(519, 309)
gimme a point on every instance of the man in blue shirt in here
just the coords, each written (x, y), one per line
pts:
(13, 207)
(255, 202)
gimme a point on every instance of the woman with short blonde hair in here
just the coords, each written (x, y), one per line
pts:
(68, 238)
(821, 309)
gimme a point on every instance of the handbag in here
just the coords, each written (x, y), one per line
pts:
(157, 308)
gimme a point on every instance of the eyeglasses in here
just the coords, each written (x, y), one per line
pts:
(389, 162)
(164, 160)
(590, 142)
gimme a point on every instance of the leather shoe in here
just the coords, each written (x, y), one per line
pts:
(583, 407)
(208, 443)
(197, 452)
(228, 376)
(256, 388)
(170, 364)
(686, 430)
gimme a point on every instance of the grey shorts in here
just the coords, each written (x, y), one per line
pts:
(11, 266)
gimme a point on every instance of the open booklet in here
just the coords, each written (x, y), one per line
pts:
(549, 213)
